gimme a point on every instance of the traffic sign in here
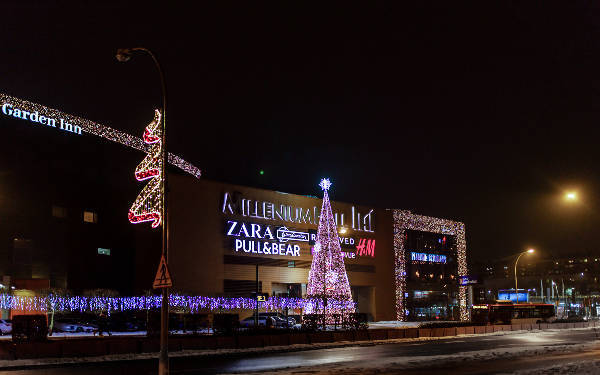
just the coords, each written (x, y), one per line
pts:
(163, 277)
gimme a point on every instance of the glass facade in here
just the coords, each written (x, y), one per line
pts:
(431, 276)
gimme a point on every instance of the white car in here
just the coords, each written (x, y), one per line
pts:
(5, 326)
(70, 326)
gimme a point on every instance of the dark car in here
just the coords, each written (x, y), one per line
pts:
(279, 320)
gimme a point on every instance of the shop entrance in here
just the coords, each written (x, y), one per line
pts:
(364, 297)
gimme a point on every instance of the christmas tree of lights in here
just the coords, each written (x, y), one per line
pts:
(148, 204)
(327, 279)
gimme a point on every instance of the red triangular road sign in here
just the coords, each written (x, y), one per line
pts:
(163, 277)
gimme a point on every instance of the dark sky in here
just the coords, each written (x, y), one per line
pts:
(480, 112)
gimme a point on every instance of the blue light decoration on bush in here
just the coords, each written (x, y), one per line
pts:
(192, 304)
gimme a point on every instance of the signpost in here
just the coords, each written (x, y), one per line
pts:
(163, 277)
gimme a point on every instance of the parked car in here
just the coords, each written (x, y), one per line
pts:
(279, 320)
(249, 321)
(73, 326)
(5, 326)
(271, 319)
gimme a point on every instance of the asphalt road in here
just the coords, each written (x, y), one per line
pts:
(338, 360)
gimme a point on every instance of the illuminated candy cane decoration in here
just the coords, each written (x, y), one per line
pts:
(148, 204)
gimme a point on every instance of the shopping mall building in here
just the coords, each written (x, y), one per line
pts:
(397, 262)
(76, 234)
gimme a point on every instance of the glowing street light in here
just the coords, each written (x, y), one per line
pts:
(516, 285)
(571, 196)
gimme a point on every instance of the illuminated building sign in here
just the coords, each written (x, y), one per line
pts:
(430, 258)
(261, 239)
(366, 247)
(22, 114)
(235, 204)
(284, 235)
(468, 280)
(102, 251)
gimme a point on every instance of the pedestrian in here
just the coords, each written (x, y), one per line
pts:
(102, 325)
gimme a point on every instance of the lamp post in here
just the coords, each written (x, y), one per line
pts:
(124, 55)
(517, 262)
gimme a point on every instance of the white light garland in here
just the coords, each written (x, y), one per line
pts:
(404, 220)
(148, 206)
(99, 130)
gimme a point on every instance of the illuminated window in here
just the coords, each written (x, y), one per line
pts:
(60, 212)
(90, 217)
(421, 293)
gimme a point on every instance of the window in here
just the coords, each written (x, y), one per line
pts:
(22, 251)
(90, 217)
(60, 212)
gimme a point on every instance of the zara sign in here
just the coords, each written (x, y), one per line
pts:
(262, 239)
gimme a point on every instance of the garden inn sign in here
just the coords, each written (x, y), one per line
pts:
(62, 124)
(235, 204)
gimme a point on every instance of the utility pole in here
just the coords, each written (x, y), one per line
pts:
(256, 301)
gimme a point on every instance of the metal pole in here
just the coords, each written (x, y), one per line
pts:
(516, 288)
(163, 359)
(256, 301)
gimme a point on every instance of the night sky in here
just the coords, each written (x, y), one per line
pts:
(471, 111)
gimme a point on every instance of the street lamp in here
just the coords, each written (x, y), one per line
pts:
(124, 55)
(571, 196)
(516, 285)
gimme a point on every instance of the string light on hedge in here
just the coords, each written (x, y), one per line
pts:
(193, 304)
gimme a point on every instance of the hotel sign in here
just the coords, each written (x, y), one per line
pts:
(60, 123)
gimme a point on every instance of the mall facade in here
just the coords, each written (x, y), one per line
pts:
(400, 265)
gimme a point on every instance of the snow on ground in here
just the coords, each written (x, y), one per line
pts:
(350, 368)
(396, 324)
(197, 353)
(397, 364)
(578, 367)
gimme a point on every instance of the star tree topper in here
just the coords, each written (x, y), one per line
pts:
(325, 184)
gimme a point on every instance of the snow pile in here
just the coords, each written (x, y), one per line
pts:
(579, 367)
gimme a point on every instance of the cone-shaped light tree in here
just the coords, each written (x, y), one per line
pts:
(327, 279)
(149, 203)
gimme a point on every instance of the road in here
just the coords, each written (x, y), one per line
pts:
(458, 355)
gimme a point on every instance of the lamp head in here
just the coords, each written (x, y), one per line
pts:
(530, 251)
(123, 54)
(571, 196)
